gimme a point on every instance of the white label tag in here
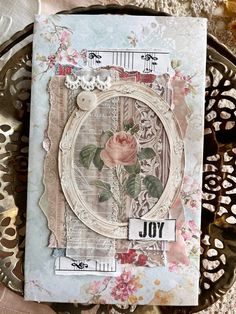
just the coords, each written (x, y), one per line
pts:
(67, 266)
(162, 230)
(144, 61)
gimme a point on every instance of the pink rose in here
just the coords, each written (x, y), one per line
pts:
(173, 267)
(187, 235)
(125, 285)
(142, 260)
(192, 226)
(120, 149)
(65, 38)
(177, 250)
(127, 257)
(72, 56)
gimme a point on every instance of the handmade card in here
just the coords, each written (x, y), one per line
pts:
(115, 161)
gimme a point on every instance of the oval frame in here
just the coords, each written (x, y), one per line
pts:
(66, 152)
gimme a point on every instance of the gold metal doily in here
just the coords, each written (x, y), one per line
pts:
(218, 259)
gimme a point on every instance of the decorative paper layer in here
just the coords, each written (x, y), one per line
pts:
(76, 246)
(66, 40)
(53, 201)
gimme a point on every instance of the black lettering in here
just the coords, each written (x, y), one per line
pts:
(152, 230)
(144, 233)
(160, 227)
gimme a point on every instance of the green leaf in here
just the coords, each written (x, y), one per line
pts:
(134, 129)
(175, 64)
(128, 124)
(107, 134)
(41, 58)
(133, 168)
(133, 185)
(101, 184)
(104, 196)
(153, 185)
(192, 90)
(146, 153)
(97, 161)
(87, 154)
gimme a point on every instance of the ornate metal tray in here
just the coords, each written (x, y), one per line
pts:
(218, 259)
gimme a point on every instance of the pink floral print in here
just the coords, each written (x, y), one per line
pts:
(125, 286)
(191, 194)
(61, 36)
(133, 257)
(72, 56)
(120, 149)
(120, 152)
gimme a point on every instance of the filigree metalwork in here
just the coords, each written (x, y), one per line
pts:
(15, 80)
(10, 274)
(218, 260)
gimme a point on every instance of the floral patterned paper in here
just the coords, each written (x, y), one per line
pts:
(65, 40)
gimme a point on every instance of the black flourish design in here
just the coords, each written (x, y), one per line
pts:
(93, 55)
(147, 57)
(80, 265)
